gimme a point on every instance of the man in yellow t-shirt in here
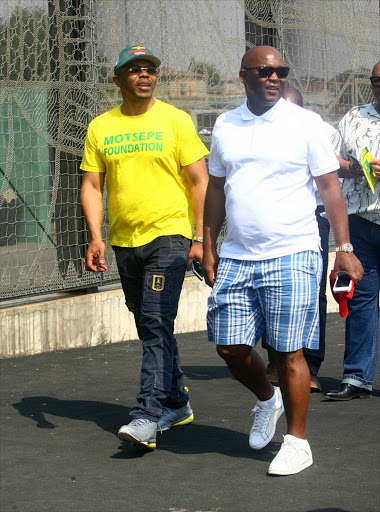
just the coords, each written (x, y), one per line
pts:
(156, 184)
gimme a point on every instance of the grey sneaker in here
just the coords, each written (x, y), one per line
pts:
(175, 417)
(264, 426)
(139, 432)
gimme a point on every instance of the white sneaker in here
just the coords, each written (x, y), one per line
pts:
(294, 456)
(264, 426)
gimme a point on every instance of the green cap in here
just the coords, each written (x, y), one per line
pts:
(135, 53)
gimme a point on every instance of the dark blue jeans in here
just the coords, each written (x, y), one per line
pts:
(152, 278)
(314, 358)
(362, 324)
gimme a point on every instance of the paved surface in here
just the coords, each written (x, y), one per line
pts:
(60, 413)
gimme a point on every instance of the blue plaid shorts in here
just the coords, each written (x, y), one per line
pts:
(279, 295)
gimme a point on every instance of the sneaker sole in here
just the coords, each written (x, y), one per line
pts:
(273, 433)
(184, 421)
(124, 436)
(294, 472)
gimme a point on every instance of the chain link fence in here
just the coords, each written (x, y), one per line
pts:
(56, 62)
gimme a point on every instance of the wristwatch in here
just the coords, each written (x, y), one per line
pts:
(345, 248)
(198, 239)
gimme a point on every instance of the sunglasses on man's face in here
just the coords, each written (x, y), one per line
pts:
(151, 70)
(267, 71)
(375, 81)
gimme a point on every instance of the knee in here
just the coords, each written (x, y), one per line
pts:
(222, 351)
(289, 360)
(229, 353)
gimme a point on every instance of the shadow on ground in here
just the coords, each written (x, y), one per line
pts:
(193, 439)
(107, 416)
(206, 372)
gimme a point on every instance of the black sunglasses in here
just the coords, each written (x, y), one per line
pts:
(267, 71)
(151, 70)
(375, 80)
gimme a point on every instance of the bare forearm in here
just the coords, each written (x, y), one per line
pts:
(337, 216)
(213, 219)
(198, 179)
(336, 211)
(198, 194)
(214, 214)
(92, 206)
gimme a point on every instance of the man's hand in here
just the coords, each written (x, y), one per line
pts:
(215, 213)
(375, 164)
(92, 204)
(355, 170)
(349, 169)
(195, 253)
(95, 261)
(348, 263)
(210, 267)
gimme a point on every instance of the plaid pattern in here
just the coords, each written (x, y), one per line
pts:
(279, 295)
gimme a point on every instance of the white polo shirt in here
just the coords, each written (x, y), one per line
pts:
(269, 162)
(331, 133)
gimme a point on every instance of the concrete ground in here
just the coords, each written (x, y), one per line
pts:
(60, 413)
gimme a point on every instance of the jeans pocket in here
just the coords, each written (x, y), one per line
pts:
(157, 287)
(162, 381)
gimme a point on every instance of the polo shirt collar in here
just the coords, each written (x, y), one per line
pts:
(371, 110)
(269, 115)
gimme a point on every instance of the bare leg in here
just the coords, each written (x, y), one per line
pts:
(248, 368)
(294, 377)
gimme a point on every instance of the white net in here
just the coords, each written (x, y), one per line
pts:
(56, 62)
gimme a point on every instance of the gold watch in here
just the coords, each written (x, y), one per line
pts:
(345, 248)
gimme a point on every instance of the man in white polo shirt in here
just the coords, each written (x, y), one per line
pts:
(263, 159)
(313, 358)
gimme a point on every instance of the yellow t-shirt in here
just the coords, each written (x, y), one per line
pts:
(144, 156)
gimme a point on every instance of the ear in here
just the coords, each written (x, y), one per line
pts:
(242, 76)
(116, 80)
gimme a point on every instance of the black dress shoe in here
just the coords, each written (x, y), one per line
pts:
(348, 392)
